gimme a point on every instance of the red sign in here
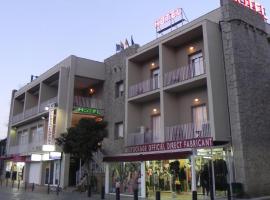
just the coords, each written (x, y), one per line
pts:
(173, 145)
(167, 18)
(251, 4)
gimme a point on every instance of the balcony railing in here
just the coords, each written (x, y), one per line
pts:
(17, 118)
(87, 102)
(145, 137)
(183, 73)
(145, 86)
(187, 131)
(47, 103)
(31, 112)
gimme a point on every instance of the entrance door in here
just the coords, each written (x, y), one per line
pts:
(199, 114)
(156, 128)
(50, 173)
(56, 172)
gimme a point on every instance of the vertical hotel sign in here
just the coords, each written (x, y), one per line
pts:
(253, 5)
(50, 135)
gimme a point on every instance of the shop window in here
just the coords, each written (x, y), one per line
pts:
(196, 63)
(119, 130)
(119, 89)
(125, 174)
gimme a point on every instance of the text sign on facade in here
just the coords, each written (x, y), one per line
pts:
(87, 111)
(50, 135)
(253, 5)
(173, 145)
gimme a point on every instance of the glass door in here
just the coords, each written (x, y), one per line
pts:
(199, 115)
(196, 62)
(155, 78)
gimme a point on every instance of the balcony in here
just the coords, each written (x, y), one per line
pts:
(87, 102)
(17, 118)
(183, 73)
(187, 131)
(143, 87)
(47, 103)
(31, 112)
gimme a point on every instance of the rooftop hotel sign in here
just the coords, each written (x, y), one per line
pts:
(253, 5)
(172, 145)
(169, 20)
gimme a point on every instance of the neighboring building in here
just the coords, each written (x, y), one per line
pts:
(45, 108)
(197, 102)
(3, 144)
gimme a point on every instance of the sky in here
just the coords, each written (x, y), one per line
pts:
(36, 35)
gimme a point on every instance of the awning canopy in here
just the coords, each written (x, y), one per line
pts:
(147, 157)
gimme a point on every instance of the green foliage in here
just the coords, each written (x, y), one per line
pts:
(83, 139)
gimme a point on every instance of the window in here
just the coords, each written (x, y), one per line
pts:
(199, 114)
(119, 130)
(119, 89)
(196, 62)
(23, 137)
(155, 78)
(156, 128)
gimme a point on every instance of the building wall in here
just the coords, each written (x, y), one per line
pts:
(247, 61)
(115, 70)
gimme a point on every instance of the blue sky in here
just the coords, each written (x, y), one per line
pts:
(35, 35)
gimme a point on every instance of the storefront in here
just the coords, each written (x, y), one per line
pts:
(170, 173)
(15, 168)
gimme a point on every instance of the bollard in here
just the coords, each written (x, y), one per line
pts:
(12, 183)
(157, 195)
(19, 184)
(194, 195)
(33, 187)
(135, 194)
(102, 192)
(6, 182)
(57, 190)
(25, 186)
(1, 182)
(89, 191)
(117, 195)
(212, 193)
(229, 195)
(48, 189)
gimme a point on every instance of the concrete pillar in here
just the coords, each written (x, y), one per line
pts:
(107, 178)
(193, 177)
(64, 170)
(143, 188)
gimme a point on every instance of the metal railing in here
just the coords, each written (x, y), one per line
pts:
(183, 73)
(144, 86)
(47, 103)
(87, 102)
(187, 131)
(17, 118)
(31, 112)
(35, 145)
(141, 138)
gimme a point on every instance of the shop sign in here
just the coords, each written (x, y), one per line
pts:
(50, 135)
(172, 145)
(251, 4)
(87, 111)
(36, 157)
(55, 155)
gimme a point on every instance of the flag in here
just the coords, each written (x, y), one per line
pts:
(126, 43)
(118, 47)
(122, 45)
(132, 42)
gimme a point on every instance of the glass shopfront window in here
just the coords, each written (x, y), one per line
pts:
(126, 175)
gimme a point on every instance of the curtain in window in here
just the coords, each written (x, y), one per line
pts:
(199, 117)
(156, 128)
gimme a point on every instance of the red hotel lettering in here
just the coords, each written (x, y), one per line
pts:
(253, 6)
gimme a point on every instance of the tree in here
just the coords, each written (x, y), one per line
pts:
(83, 140)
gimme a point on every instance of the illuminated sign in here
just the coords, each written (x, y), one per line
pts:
(50, 132)
(172, 145)
(55, 155)
(48, 147)
(170, 20)
(87, 111)
(36, 157)
(251, 4)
